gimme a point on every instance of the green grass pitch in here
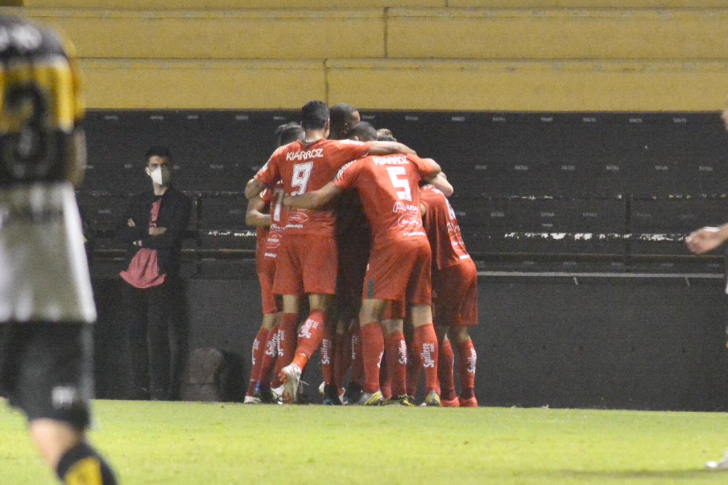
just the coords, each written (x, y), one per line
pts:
(191, 443)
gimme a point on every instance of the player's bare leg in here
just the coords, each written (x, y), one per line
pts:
(425, 343)
(64, 449)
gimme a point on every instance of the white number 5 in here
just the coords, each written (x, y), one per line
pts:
(301, 175)
(399, 183)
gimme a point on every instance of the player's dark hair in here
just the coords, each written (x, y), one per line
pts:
(385, 134)
(288, 133)
(341, 114)
(314, 115)
(158, 151)
(364, 131)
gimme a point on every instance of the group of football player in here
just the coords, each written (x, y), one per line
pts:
(362, 226)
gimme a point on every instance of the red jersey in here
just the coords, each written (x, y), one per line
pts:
(389, 190)
(443, 231)
(268, 239)
(307, 167)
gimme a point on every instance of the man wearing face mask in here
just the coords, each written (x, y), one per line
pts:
(153, 227)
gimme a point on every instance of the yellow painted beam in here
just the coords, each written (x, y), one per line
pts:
(174, 84)
(586, 4)
(528, 86)
(249, 34)
(557, 34)
(228, 4)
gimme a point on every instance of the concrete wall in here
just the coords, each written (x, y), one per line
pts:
(604, 343)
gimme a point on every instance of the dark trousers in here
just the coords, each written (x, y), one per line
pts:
(151, 314)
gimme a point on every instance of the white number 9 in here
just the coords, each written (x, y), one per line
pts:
(301, 175)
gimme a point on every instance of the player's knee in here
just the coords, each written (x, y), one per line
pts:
(459, 335)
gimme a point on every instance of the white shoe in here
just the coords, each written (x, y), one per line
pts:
(718, 465)
(252, 400)
(278, 391)
(290, 376)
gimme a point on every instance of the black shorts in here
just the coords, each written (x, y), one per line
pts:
(46, 370)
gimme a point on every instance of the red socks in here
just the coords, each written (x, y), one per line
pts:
(425, 342)
(310, 336)
(372, 349)
(328, 353)
(357, 358)
(467, 361)
(414, 370)
(445, 371)
(342, 358)
(269, 357)
(258, 347)
(396, 356)
(286, 342)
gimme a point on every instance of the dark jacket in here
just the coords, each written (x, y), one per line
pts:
(174, 214)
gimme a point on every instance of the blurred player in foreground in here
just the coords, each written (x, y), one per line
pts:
(46, 304)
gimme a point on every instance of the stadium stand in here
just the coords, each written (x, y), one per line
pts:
(581, 136)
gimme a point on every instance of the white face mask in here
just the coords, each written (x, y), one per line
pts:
(161, 176)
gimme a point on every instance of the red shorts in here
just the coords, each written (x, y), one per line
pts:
(456, 295)
(400, 271)
(396, 310)
(266, 275)
(306, 264)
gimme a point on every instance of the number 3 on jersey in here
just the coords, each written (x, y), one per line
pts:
(400, 183)
(301, 176)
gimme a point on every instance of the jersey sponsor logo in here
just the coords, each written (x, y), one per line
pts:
(297, 218)
(64, 397)
(428, 350)
(472, 361)
(391, 160)
(410, 223)
(456, 238)
(305, 155)
(274, 241)
(271, 346)
(340, 173)
(402, 207)
(306, 328)
(402, 353)
(326, 352)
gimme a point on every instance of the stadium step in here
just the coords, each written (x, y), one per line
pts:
(314, 4)
(152, 84)
(407, 85)
(227, 4)
(557, 34)
(395, 33)
(239, 34)
(528, 85)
